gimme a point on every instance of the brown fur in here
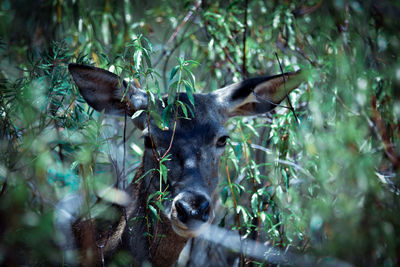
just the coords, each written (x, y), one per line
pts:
(192, 168)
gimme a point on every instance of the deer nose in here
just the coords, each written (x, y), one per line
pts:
(187, 212)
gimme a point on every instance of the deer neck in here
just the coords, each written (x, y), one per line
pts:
(162, 248)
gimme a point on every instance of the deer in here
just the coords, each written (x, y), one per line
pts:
(192, 170)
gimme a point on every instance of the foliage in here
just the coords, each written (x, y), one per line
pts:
(326, 186)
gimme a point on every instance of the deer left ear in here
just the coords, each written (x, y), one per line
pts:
(104, 90)
(256, 95)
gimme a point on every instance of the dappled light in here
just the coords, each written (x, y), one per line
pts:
(199, 133)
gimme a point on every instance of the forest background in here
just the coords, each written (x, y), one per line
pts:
(325, 185)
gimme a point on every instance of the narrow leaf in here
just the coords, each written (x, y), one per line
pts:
(183, 107)
(137, 114)
(173, 72)
(189, 92)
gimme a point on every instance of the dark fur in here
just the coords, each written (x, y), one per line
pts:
(192, 168)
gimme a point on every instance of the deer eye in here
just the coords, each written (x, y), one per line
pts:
(221, 142)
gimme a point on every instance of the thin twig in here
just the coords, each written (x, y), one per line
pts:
(346, 107)
(299, 52)
(304, 10)
(171, 51)
(3, 188)
(244, 67)
(268, 101)
(175, 33)
(233, 198)
(230, 60)
(242, 256)
(268, 254)
(383, 134)
(284, 86)
(296, 166)
(175, 120)
(185, 19)
(225, 49)
(289, 162)
(124, 151)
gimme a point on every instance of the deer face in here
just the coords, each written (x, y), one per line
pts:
(198, 143)
(195, 145)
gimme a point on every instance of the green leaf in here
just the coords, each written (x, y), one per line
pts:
(173, 72)
(191, 77)
(189, 92)
(263, 216)
(160, 205)
(255, 171)
(163, 169)
(138, 59)
(157, 119)
(147, 58)
(251, 128)
(246, 215)
(183, 107)
(163, 172)
(225, 194)
(254, 203)
(159, 93)
(137, 149)
(192, 62)
(172, 92)
(285, 179)
(166, 115)
(137, 114)
(151, 196)
(154, 213)
(234, 162)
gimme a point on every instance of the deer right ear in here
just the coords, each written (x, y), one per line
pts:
(104, 90)
(256, 95)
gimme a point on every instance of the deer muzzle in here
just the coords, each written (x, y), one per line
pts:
(190, 213)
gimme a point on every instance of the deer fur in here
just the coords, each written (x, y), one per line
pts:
(192, 170)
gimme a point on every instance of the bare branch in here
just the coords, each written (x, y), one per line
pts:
(284, 84)
(244, 68)
(175, 33)
(383, 134)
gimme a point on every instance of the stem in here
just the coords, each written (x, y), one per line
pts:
(148, 120)
(225, 50)
(176, 114)
(253, 180)
(237, 214)
(284, 85)
(244, 68)
(383, 135)
(185, 19)
(159, 198)
(175, 33)
(124, 151)
(233, 198)
(147, 219)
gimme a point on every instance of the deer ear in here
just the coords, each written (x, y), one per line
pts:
(104, 90)
(256, 95)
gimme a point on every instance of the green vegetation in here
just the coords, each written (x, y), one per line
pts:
(327, 186)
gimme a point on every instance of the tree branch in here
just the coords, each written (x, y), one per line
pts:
(383, 134)
(244, 68)
(175, 33)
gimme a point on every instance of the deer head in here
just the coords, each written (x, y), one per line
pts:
(198, 142)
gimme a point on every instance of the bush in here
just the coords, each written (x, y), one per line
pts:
(325, 185)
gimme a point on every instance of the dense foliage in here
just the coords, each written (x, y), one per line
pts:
(325, 185)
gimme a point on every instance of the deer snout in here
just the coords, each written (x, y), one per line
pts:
(190, 213)
(200, 211)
